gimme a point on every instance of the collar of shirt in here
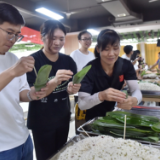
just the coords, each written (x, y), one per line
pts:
(100, 71)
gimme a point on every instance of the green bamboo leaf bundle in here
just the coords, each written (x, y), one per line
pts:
(156, 127)
(134, 119)
(125, 91)
(77, 78)
(42, 77)
(139, 127)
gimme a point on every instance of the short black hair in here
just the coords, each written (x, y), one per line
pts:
(138, 51)
(82, 33)
(128, 49)
(105, 37)
(10, 14)
(159, 53)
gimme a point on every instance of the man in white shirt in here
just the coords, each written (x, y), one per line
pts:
(82, 56)
(15, 142)
(128, 49)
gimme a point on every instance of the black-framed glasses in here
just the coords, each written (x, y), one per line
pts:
(87, 39)
(10, 36)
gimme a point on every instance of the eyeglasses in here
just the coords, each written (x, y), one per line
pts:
(11, 36)
(87, 39)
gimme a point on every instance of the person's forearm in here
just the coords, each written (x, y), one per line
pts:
(134, 90)
(23, 96)
(134, 62)
(87, 101)
(6, 77)
(153, 66)
(51, 87)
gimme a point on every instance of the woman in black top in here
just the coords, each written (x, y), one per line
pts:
(101, 86)
(49, 118)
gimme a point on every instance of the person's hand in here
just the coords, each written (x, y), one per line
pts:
(128, 103)
(141, 70)
(62, 75)
(73, 88)
(137, 59)
(24, 65)
(112, 95)
(40, 94)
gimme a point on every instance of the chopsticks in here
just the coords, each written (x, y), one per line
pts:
(35, 71)
(124, 135)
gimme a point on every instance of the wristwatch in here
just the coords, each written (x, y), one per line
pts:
(29, 97)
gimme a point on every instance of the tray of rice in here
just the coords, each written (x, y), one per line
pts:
(150, 88)
(71, 142)
(107, 148)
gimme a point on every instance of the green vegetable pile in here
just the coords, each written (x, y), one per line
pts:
(140, 127)
(77, 78)
(42, 77)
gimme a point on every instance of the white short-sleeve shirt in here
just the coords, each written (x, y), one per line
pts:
(13, 131)
(81, 59)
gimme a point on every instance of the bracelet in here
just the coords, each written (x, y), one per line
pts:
(29, 97)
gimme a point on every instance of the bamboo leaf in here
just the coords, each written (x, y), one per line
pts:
(81, 74)
(42, 77)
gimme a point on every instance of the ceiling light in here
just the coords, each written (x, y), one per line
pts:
(150, 1)
(106, 0)
(93, 31)
(137, 29)
(121, 15)
(49, 13)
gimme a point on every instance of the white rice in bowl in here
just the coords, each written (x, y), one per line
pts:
(109, 148)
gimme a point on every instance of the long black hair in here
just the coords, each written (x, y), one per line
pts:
(48, 28)
(106, 37)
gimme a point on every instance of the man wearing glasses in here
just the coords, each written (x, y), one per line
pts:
(82, 56)
(15, 142)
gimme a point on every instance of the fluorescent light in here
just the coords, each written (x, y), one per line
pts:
(121, 15)
(150, 1)
(137, 29)
(93, 31)
(49, 13)
(106, 0)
